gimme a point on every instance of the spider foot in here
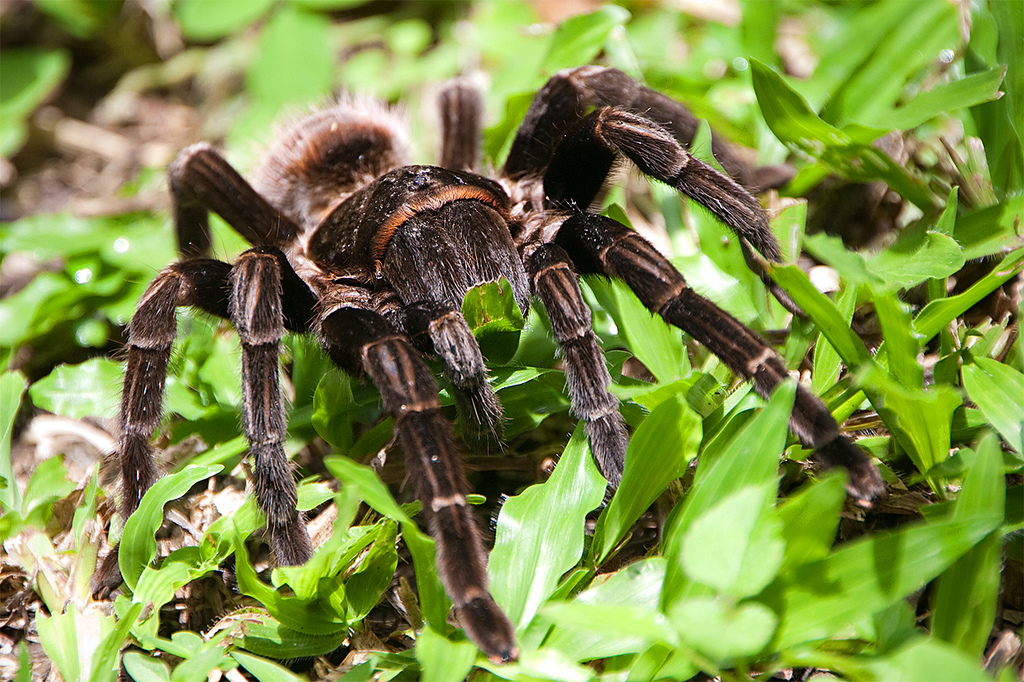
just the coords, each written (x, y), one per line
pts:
(865, 483)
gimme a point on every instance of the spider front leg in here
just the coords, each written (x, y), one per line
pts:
(583, 157)
(440, 329)
(603, 246)
(557, 285)
(363, 342)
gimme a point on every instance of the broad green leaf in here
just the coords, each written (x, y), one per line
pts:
(967, 594)
(821, 598)
(47, 484)
(324, 615)
(810, 519)
(372, 490)
(997, 389)
(583, 637)
(84, 390)
(143, 668)
(721, 630)
(659, 452)
(206, 21)
(285, 69)
(540, 532)
(927, 659)
(750, 458)
(27, 75)
(544, 664)
(263, 670)
(12, 385)
(366, 586)
(736, 547)
(331, 400)
(138, 541)
(200, 665)
(580, 38)
(920, 419)
(442, 659)
(916, 257)
(157, 586)
(263, 635)
(982, 86)
(433, 600)
(494, 316)
(636, 625)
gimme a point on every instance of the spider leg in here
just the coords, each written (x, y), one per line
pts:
(440, 329)
(601, 245)
(362, 341)
(556, 283)
(571, 93)
(257, 311)
(461, 125)
(201, 181)
(216, 288)
(591, 146)
(151, 333)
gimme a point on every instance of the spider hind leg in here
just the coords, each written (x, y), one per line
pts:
(605, 133)
(604, 246)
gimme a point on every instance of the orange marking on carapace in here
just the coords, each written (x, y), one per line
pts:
(431, 201)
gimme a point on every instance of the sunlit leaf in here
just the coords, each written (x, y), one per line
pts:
(540, 532)
(997, 389)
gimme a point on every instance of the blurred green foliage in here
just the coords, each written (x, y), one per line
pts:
(740, 581)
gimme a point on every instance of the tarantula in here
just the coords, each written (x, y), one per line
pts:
(374, 256)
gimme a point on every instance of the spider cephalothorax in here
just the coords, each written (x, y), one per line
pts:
(374, 256)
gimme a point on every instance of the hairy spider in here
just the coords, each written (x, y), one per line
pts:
(374, 256)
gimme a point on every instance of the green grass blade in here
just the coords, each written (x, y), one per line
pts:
(900, 345)
(824, 313)
(659, 452)
(997, 389)
(138, 541)
(12, 385)
(819, 599)
(540, 532)
(967, 593)
(442, 659)
(750, 458)
(826, 359)
(963, 92)
(937, 314)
